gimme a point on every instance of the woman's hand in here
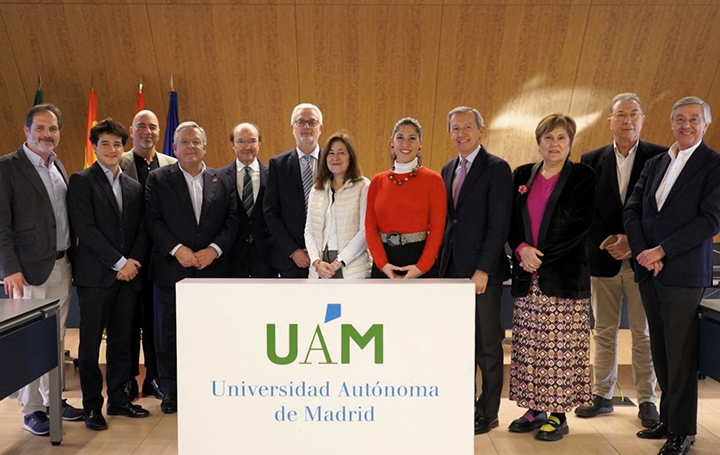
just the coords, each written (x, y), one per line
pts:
(411, 271)
(530, 259)
(324, 269)
(390, 269)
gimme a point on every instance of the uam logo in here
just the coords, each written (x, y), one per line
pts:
(348, 335)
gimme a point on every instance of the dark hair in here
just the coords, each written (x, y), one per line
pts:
(43, 108)
(552, 121)
(353, 172)
(232, 132)
(107, 126)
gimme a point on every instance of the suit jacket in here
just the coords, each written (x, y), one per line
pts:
(253, 228)
(608, 219)
(563, 232)
(284, 207)
(28, 240)
(686, 223)
(170, 220)
(105, 234)
(127, 162)
(477, 229)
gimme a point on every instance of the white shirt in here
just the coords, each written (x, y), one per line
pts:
(315, 154)
(678, 159)
(117, 191)
(470, 158)
(624, 165)
(254, 177)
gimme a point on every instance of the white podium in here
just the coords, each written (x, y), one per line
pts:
(325, 367)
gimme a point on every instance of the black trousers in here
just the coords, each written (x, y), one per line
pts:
(488, 346)
(250, 263)
(144, 319)
(110, 309)
(672, 313)
(403, 255)
(166, 338)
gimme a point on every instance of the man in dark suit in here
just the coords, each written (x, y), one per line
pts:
(137, 163)
(252, 251)
(290, 178)
(479, 205)
(35, 239)
(106, 209)
(670, 220)
(192, 220)
(617, 168)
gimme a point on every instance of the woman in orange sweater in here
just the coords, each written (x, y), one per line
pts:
(406, 209)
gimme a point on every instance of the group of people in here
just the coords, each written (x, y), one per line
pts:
(137, 222)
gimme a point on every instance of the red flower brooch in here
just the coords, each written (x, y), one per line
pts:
(522, 189)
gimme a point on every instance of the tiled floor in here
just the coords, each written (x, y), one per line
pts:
(157, 435)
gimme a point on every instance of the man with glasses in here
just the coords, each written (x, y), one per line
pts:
(290, 178)
(617, 168)
(252, 250)
(670, 220)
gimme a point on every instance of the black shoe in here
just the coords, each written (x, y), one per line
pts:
(648, 414)
(95, 421)
(600, 406)
(659, 431)
(553, 430)
(528, 423)
(169, 404)
(675, 445)
(133, 411)
(152, 388)
(69, 413)
(131, 389)
(485, 424)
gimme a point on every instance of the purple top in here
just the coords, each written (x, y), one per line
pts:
(536, 203)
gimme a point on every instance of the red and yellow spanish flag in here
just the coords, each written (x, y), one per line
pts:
(91, 121)
(139, 99)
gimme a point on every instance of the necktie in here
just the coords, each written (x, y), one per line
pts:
(460, 180)
(247, 192)
(307, 177)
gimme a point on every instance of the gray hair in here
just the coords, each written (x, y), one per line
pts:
(692, 100)
(302, 106)
(461, 110)
(627, 96)
(186, 125)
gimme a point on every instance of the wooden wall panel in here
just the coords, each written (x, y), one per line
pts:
(367, 73)
(660, 67)
(14, 97)
(516, 66)
(98, 44)
(230, 64)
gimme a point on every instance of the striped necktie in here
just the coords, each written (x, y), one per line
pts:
(307, 177)
(247, 192)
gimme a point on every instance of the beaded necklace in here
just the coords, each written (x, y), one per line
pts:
(413, 173)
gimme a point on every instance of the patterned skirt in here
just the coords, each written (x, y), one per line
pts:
(550, 360)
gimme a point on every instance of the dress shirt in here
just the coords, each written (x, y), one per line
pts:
(56, 188)
(470, 158)
(678, 158)
(195, 187)
(624, 169)
(315, 154)
(117, 191)
(254, 178)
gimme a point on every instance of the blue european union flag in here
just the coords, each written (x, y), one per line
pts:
(173, 120)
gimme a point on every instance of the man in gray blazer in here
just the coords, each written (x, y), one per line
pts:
(35, 239)
(137, 163)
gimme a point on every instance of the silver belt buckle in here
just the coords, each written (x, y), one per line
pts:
(394, 239)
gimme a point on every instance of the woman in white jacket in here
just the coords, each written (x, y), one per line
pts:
(335, 226)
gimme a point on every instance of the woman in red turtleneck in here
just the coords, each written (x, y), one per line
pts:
(405, 217)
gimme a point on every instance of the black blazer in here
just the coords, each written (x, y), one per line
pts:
(477, 229)
(284, 207)
(563, 232)
(170, 220)
(608, 219)
(103, 234)
(28, 240)
(254, 226)
(686, 223)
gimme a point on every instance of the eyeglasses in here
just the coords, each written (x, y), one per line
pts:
(302, 123)
(243, 143)
(622, 116)
(680, 121)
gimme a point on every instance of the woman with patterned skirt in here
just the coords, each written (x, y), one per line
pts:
(553, 206)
